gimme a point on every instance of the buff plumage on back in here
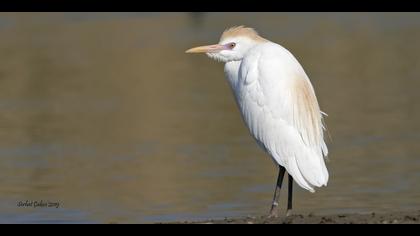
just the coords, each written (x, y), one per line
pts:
(307, 115)
(307, 120)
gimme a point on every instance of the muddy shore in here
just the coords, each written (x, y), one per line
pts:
(412, 217)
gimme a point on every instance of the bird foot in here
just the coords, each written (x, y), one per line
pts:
(273, 213)
(289, 213)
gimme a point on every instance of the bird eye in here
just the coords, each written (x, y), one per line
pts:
(232, 45)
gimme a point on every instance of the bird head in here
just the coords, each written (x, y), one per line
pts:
(233, 45)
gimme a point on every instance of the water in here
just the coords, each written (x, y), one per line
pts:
(105, 114)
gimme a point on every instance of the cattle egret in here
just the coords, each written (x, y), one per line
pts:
(278, 105)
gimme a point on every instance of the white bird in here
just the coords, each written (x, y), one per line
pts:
(278, 105)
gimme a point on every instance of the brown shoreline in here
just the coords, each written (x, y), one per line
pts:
(412, 217)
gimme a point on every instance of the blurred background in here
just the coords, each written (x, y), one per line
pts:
(105, 114)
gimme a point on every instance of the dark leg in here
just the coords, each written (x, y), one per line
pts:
(273, 211)
(290, 197)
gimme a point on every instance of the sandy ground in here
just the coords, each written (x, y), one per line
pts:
(373, 218)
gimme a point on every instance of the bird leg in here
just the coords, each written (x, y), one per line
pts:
(273, 211)
(290, 197)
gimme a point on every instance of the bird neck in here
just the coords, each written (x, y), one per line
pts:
(231, 72)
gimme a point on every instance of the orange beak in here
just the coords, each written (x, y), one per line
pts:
(206, 49)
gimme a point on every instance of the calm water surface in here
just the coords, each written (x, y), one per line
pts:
(105, 114)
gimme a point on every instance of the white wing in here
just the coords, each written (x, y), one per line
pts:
(279, 106)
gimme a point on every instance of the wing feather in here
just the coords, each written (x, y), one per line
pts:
(279, 106)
